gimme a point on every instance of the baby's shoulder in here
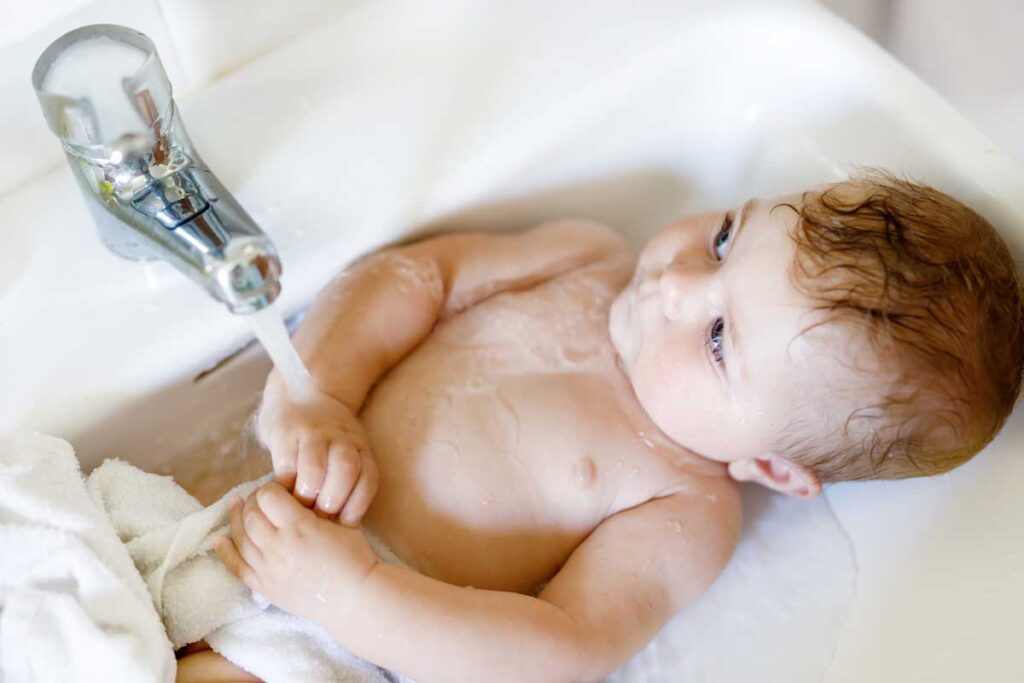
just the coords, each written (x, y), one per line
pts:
(609, 262)
(709, 506)
(685, 537)
(581, 233)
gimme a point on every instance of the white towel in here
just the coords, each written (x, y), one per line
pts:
(77, 558)
(72, 605)
(170, 537)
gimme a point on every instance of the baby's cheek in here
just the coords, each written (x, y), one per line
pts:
(659, 251)
(661, 385)
(683, 235)
(686, 401)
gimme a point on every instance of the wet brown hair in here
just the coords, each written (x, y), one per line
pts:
(936, 291)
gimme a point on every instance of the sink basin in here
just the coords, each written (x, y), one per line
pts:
(374, 128)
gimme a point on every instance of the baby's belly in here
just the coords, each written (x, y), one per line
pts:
(501, 449)
(485, 487)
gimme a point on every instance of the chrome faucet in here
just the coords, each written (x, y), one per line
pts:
(105, 94)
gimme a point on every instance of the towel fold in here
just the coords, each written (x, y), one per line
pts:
(101, 579)
(73, 607)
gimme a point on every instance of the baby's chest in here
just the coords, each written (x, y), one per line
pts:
(510, 436)
(495, 485)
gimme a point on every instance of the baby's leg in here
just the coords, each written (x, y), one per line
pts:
(203, 665)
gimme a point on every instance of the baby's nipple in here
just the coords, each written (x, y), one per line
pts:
(584, 472)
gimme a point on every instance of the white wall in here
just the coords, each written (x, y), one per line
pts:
(871, 16)
(971, 51)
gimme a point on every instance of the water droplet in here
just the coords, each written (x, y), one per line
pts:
(633, 471)
(711, 497)
(676, 526)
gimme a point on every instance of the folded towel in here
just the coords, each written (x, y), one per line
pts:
(170, 538)
(90, 569)
(72, 605)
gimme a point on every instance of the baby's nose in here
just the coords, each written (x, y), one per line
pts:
(683, 291)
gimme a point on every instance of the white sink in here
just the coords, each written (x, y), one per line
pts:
(396, 119)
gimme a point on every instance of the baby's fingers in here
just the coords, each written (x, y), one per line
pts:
(312, 468)
(257, 527)
(246, 548)
(284, 452)
(366, 488)
(280, 508)
(228, 554)
(344, 465)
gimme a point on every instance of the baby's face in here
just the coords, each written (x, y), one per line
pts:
(708, 331)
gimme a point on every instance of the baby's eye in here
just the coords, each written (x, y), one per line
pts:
(715, 341)
(721, 243)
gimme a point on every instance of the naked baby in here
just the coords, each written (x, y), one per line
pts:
(547, 429)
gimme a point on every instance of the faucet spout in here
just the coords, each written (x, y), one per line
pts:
(107, 98)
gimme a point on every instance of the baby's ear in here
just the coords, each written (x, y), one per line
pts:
(778, 474)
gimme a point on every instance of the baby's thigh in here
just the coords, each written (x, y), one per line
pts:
(206, 666)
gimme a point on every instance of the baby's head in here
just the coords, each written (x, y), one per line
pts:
(870, 329)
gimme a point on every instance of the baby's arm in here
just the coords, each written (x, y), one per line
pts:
(619, 587)
(371, 316)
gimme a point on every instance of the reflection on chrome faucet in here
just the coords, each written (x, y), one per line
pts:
(106, 96)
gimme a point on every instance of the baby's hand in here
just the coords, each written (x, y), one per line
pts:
(320, 453)
(303, 564)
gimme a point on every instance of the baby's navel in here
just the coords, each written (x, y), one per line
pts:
(584, 472)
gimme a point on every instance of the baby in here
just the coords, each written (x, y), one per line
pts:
(548, 429)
